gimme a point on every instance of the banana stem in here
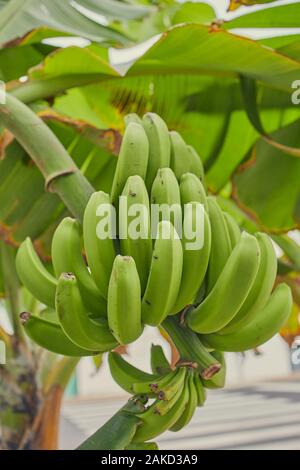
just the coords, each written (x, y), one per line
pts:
(61, 174)
(190, 347)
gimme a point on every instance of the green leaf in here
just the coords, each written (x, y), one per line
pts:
(279, 16)
(20, 16)
(267, 186)
(249, 92)
(194, 13)
(116, 10)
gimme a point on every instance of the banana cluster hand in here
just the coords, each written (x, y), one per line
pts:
(215, 296)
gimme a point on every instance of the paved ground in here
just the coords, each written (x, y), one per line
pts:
(262, 416)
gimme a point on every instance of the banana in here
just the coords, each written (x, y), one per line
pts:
(99, 247)
(220, 243)
(67, 258)
(33, 274)
(165, 198)
(159, 148)
(166, 389)
(124, 301)
(195, 261)
(156, 386)
(191, 405)
(133, 158)
(134, 200)
(132, 117)
(201, 392)
(196, 165)
(218, 380)
(233, 229)
(125, 374)
(191, 189)
(159, 363)
(180, 155)
(154, 424)
(165, 270)
(230, 290)
(265, 324)
(172, 392)
(74, 319)
(261, 288)
(49, 335)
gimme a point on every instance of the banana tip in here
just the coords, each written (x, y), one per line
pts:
(24, 317)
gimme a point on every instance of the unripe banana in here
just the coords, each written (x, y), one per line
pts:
(124, 300)
(201, 392)
(132, 117)
(126, 374)
(261, 288)
(191, 405)
(159, 148)
(218, 380)
(195, 261)
(164, 387)
(165, 270)
(159, 363)
(75, 321)
(263, 327)
(99, 247)
(233, 229)
(166, 193)
(196, 165)
(135, 216)
(49, 335)
(132, 160)
(191, 189)
(67, 258)
(154, 424)
(220, 243)
(180, 155)
(175, 389)
(230, 290)
(33, 274)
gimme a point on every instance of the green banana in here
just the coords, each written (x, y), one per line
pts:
(195, 261)
(124, 301)
(159, 148)
(165, 270)
(100, 251)
(159, 363)
(154, 424)
(75, 321)
(49, 314)
(49, 335)
(220, 243)
(125, 374)
(233, 229)
(180, 155)
(218, 380)
(67, 258)
(191, 405)
(201, 392)
(263, 327)
(165, 193)
(132, 117)
(166, 389)
(230, 290)
(156, 386)
(142, 446)
(132, 160)
(261, 288)
(196, 165)
(165, 405)
(191, 189)
(33, 274)
(135, 193)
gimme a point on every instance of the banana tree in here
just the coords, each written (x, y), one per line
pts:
(82, 98)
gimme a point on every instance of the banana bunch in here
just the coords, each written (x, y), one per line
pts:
(176, 393)
(131, 265)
